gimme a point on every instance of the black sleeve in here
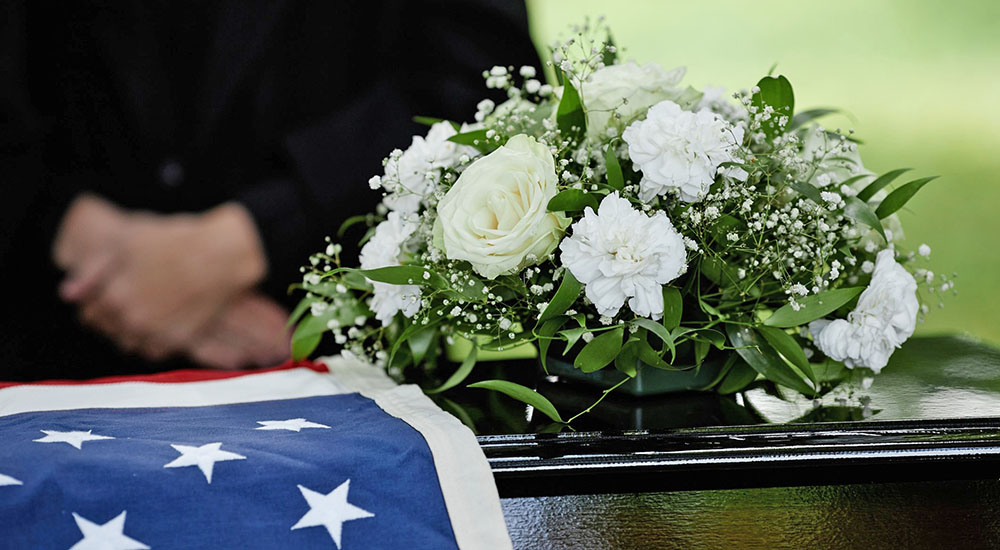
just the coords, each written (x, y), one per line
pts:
(430, 57)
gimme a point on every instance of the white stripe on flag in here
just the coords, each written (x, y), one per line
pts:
(265, 386)
(470, 492)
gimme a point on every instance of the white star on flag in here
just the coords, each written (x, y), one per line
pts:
(109, 536)
(330, 510)
(7, 480)
(75, 439)
(203, 457)
(293, 424)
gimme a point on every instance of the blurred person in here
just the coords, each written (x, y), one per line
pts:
(168, 165)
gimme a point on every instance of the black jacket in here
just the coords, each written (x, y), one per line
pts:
(180, 105)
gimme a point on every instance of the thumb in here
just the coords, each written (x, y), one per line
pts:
(85, 280)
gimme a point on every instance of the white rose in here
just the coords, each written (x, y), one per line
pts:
(621, 253)
(496, 215)
(628, 89)
(383, 250)
(413, 175)
(885, 317)
(681, 150)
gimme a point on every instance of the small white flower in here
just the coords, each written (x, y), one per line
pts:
(884, 318)
(383, 250)
(677, 149)
(406, 175)
(375, 182)
(618, 252)
(924, 250)
(527, 71)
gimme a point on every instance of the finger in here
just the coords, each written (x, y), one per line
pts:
(215, 353)
(88, 279)
(98, 315)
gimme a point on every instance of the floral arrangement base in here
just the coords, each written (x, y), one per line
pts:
(647, 381)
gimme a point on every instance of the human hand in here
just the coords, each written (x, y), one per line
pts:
(166, 277)
(90, 231)
(250, 332)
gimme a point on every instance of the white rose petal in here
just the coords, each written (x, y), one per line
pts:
(627, 89)
(383, 250)
(884, 318)
(620, 253)
(677, 149)
(496, 215)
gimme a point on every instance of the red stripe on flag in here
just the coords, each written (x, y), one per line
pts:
(173, 376)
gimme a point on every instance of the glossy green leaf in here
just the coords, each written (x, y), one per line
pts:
(572, 200)
(673, 307)
(398, 274)
(650, 357)
(807, 190)
(572, 336)
(762, 357)
(565, 296)
(570, 118)
(804, 117)
(859, 211)
(427, 120)
(307, 336)
(523, 394)
(473, 138)
(657, 329)
(898, 198)
(784, 344)
(615, 177)
(812, 307)
(420, 343)
(738, 377)
(601, 351)
(776, 92)
(879, 183)
(459, 375)
(545, 333)
(628, 358)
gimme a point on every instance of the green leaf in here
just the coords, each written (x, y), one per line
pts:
(572, 200)
(804, 117)
(307, 336)
(473, 138)
(776, 92)
(459, 375)
(398, 274)
(615, 178)
(807, 190)
(738, 378)
(609, 57)
(673, 307)
(858, 210)
(879, 183)
(812, 307)
(300, 309)
(349, 222)
(572, 336)
(628, 358)
(659, 330)
(898, 198)
(420, 342)
(784, 344)
(601, 351)
(570, 118)
(649, 356)
(523, 394)
(545, 334)
(762, 357)
(565, 296)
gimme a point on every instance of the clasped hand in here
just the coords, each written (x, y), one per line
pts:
(164, 285)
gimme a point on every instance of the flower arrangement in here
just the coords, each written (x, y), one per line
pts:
(623, 221)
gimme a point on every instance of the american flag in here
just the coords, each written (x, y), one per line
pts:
(330, 455)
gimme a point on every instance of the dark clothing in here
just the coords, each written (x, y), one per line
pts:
(180, 105)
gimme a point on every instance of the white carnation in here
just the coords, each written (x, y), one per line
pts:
(414, 174)
(884, 318)
(383, 250)
(619, 252)
(677, 149)
(628, 89)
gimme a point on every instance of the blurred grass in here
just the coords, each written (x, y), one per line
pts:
(920, 80)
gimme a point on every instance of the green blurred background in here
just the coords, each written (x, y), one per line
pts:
(920, 80)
